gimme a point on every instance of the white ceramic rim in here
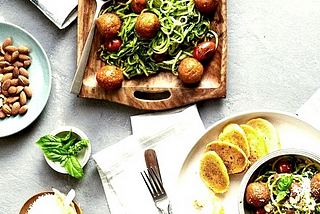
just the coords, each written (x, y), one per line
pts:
(83, 161)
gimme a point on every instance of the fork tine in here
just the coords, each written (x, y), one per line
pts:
(148, 183)
(153, 183)
(156, 180)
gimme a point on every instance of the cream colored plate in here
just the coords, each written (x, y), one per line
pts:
(294, 133)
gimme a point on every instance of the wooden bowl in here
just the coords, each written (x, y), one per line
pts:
(28, 203)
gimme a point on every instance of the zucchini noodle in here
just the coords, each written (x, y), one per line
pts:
(182, 27)
(282, 200)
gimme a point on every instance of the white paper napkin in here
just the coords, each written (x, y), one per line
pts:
(310, 111)
(60, 12)
(171, 134)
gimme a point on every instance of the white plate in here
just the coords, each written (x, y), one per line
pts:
(294, 133)
(40, 78)
(83, 155)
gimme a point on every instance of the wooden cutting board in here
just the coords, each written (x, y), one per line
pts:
(163, 90)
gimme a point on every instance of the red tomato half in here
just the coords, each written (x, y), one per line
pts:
(112, 44)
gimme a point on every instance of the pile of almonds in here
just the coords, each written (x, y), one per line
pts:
(14, 79)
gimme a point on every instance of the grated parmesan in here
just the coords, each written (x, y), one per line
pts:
(50, 204)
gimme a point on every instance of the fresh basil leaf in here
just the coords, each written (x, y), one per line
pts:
(73, 167)
(67, 137)
(76, 148)
(49, 140)
(53, 156)
(281, 195)
(284, 183)
(70, 143)
(59, 151)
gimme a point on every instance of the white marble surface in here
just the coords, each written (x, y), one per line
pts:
(273, 63)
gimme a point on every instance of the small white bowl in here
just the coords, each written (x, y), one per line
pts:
(83, 155)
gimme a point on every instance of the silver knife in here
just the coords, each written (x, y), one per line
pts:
(78, 77)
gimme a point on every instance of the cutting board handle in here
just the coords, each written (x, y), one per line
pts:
(152, 96)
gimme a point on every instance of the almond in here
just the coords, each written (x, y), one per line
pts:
(18, 64)
(15, 72)
(23, 80)
(15, 82)
(26, 63)
(6, 77)
(23, 98)
(6, 109)
(4, 63)
(23, 109)
(7, 42)
(14, 56)
(10, 48)
(23, 50)
(15, 108)
(7, 57)
(28, 91)
(12, 90)
(8, 69)
(2, 115)
(6, 84)
(23, 72)
(11, 100)
(23, 57)
(19, 89)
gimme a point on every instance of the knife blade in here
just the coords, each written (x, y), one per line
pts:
(151, 160)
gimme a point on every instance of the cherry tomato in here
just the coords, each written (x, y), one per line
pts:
(204, 50)
(112, 44)
(138, 5)
(159, 57)
(284, 167)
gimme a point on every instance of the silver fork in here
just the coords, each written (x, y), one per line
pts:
(156, 190)
(77, 79)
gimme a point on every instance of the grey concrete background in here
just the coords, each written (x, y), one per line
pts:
(273, 63)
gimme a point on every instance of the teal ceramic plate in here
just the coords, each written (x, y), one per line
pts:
(39, 76)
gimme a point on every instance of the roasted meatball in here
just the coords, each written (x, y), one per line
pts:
(315, 185)
(108, 25)
(147, 25)
(206, 6)
(109, 77)
(257, 194)
(190, 70)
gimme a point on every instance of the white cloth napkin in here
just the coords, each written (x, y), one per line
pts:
(60, 12)
(310, 111)
(171, 134)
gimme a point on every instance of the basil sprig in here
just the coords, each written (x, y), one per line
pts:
(64, 150)
(284, 185)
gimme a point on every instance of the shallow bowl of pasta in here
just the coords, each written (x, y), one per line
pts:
(284, 181)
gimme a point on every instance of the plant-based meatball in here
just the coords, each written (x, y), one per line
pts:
(257, 194)
(147, 25)
(138, 5)
(109, 77)
(190, 70)
(206, 6)
(315, 185)
(108, 25)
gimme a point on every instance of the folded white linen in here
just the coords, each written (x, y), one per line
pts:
(60, 12)
(310, 111)
(171, 134)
